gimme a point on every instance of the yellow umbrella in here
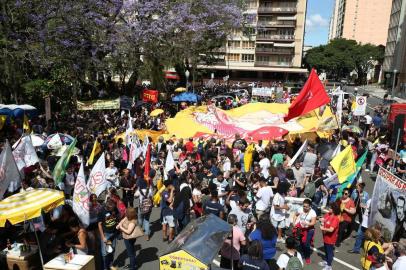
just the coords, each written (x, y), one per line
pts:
(156, 112)
(180, 89)
(29, 204)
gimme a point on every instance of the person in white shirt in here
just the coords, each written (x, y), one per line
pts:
(306, 219)
(291, 251)
(111, 174)
(264, 196)
(264, 164)
(70, 178)
(400, 263)
(278, 210)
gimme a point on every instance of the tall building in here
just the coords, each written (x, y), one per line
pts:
(271, 47)
(394, 65)
(365, 21)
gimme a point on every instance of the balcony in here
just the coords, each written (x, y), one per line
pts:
(276, 9)
(272, 64)
(289, 38)
(276, 23)
(264, 50)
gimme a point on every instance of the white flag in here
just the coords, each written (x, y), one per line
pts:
(135, 152)
(145, 145)
(55, 142)
(337, 150)
(129, 130)
(9, 175)
(298, 153)
(81, 198)
(340, 107)
(169, 164)
(24, 153)
(97, 181)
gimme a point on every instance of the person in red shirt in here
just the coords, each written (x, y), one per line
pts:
(329, 227)
(348, 210)
(189, 145)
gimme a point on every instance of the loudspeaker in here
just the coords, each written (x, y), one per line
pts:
(398, 125)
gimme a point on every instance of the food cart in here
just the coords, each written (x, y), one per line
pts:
(197, 245)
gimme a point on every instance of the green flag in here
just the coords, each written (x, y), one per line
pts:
(60, 167)
(348, 182)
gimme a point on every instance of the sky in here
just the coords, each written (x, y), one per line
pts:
(317, 21)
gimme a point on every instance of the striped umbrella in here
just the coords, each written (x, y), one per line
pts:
(29, 204)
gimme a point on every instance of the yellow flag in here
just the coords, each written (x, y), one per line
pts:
(353, 105)
(3, 119)
(344, 164)
(26, 124)
(96, 149)
(248, 157)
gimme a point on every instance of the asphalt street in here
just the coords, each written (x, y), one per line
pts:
(147, 252)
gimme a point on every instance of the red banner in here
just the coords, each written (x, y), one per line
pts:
(150, 96)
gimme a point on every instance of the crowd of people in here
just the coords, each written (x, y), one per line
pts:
(247, 184)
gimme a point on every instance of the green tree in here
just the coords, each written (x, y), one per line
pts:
(341, 56)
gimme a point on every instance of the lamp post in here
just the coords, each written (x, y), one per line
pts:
(368, 72)
(393, 83)
(187, 73)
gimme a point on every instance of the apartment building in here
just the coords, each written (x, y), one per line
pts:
(394, 65)
(271, 46)
(365, 21)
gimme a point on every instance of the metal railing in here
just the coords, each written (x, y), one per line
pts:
(277, 9)
(273, 64)
(276, 23)
(274, 50)
(276, 37)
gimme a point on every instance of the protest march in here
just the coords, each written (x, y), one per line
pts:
(261, 179)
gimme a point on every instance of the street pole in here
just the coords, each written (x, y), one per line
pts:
(393, 83)
(187, 73)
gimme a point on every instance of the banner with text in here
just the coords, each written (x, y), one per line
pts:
(388, 205)
(150, 96)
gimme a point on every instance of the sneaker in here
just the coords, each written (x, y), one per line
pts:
(322, 264)
(327, 267)
(367, 170)
(308, 261)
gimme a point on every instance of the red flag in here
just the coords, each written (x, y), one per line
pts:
(312, 96)
(147, 165)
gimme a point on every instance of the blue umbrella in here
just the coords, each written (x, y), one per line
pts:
(187, 97)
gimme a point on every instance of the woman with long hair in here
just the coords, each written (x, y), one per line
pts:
(79, 241)
(127, 226)
(265, 233)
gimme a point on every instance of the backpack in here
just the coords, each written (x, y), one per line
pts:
(293, 262)
(310, 190)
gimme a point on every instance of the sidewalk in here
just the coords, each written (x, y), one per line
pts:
(378, 92)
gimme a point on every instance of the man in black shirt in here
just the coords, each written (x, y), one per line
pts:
(108, 219)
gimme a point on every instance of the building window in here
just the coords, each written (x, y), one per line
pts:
(248, 58)
(251, 4)
(233, 57)
(232, 44)
(263, 58)
(248, 44)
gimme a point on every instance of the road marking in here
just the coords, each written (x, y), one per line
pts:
(216, 262)
(337, 260)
